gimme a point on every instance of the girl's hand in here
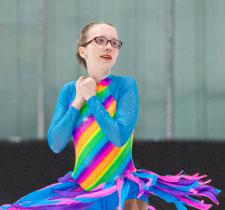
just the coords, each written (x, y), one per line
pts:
(79, 99)
(78, 88)
(87, 88)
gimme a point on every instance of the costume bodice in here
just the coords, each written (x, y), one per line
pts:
(98, 160)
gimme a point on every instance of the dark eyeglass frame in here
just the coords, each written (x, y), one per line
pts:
(94, 39)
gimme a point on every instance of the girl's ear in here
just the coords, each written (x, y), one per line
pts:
(82, 52)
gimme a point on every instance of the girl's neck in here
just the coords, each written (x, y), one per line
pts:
(98, 77)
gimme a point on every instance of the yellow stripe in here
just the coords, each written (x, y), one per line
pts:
(112, 108)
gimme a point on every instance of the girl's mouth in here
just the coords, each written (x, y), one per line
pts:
(106, 57)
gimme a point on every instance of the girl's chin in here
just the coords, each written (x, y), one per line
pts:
(108, 65)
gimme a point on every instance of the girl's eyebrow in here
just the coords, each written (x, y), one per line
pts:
(107, 38)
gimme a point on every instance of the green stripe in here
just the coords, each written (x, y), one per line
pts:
(84, 109)
(103, 94)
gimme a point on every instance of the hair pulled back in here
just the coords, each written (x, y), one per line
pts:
(82, 40)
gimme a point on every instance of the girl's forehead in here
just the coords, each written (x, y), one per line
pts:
(103, 30)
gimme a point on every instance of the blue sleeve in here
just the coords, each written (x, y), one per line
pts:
(63, 121)
(118, 129)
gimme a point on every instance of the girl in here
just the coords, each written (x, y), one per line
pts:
(100, 112)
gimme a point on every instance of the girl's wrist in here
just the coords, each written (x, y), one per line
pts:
(87, 97)
(78, 102)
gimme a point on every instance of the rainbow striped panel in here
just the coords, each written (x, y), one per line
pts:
(97, 159)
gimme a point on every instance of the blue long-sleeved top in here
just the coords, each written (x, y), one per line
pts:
(117, 129)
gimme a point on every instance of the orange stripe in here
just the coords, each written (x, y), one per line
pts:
(111, 109)
(100, 88)
(85, 136)
(101, 167)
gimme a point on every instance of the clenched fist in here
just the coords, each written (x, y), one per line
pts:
(79, 99)
(87, 88)
(78, 87)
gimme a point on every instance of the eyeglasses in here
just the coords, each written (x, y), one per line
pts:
(101, 40)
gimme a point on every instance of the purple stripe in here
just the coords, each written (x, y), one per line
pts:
(108, 100)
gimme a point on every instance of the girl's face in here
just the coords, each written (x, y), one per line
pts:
(97, 56)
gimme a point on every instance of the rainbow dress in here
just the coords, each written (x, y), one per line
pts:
(104, 175)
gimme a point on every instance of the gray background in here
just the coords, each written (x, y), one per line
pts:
(37, 56)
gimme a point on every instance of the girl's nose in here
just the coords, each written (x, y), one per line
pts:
(108, 47)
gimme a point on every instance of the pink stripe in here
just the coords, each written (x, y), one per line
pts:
(130, 167)
(202, 206)
(105, 82)
(174, 178)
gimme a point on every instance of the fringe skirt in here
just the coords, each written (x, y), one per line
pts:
(182, 190)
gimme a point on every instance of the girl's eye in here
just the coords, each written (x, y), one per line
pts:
(100, 40)
(114, 43)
